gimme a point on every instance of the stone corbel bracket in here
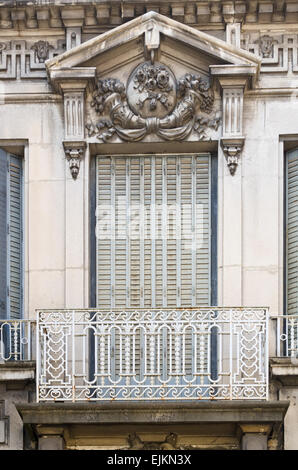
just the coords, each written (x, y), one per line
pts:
(232, 149)
(72, 83)
(233, 81)
(74, 152)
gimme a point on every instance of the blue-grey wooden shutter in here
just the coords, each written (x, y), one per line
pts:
(292, 232)
(141, 271)
(15, 237)
(3, 234)
(11, 236)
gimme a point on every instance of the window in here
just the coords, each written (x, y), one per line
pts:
(154, 218)
(11, 237)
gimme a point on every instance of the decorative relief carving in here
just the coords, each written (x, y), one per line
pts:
(42, 50)
(202, 124)
(151, 89)
(279, 53)
(232, 150)
(74, 152)
(30, 57)
(152, 103)
(266, 46)
(135, 443)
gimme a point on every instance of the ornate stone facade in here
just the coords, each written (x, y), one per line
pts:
(31, 56)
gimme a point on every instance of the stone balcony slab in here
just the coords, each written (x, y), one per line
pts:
(154, 413)
(17, 371)
(284, 369)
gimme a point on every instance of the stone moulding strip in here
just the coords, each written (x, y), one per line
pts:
(30, 98)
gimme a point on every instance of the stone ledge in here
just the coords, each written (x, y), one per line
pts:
(15, 371)
(284, 369)
(154, 413)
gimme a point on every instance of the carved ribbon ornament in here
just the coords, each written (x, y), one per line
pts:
(153, 103)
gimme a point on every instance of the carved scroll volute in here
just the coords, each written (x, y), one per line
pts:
(232, 139)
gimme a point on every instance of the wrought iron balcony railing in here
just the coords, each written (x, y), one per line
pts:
(170, 354)
(17, 340)
(286, 335)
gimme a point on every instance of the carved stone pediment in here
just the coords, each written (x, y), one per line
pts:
(151, 79)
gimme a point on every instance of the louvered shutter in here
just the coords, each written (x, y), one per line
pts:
(292, 232)
(15, 237)
(140, 199)
(11, 229)
(3, 234)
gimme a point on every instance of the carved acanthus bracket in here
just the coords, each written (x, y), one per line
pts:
(74, 152)
(232, 149)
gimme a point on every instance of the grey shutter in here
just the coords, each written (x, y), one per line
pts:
(3, 234)
(292, 232)
(15, 237)
(143, 271)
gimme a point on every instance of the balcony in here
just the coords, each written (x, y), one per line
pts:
(169, 354)
(164, 354)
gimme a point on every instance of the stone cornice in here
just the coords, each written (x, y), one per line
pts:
(37, 14)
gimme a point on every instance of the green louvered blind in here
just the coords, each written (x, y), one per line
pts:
(11, 236)
(292, 232)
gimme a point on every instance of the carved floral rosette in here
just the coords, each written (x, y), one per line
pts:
(152, 102)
